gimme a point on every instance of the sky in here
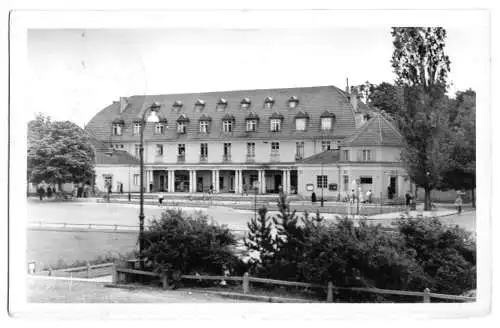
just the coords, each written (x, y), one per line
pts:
(74, 73)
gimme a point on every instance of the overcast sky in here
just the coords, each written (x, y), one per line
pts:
(74, 73)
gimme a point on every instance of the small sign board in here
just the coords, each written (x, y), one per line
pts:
(309, 187)
(332, 187)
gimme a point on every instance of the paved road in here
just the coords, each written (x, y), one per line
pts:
(46, 290)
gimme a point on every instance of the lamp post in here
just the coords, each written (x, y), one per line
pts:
(153, 118)
(255, 187)
(322, 165)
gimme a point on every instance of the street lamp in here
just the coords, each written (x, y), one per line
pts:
(153, 118)
(255, 187)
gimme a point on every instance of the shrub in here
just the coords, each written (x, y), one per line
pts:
(260, 243)
(446, 254)
(187, 244)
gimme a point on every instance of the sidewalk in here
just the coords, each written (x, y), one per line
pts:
(438, 212)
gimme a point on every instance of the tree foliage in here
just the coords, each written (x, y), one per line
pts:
(260, 241)
(181, 242)
(421, 67)
(58, 152)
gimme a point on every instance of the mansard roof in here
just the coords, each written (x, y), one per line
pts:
(378, 131)
(313, 100)
(325, 157)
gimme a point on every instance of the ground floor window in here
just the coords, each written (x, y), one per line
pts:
(366, 180)
(346, 183)
(137, 179)
(321, 181)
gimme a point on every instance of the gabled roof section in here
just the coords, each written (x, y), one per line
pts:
(326, 157)
(252, 116)
(378, 131)
(115, 157)
(205, 117)
(228, 117)
(276, 115)
(301, 114)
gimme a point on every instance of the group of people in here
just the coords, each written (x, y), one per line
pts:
(42, 191)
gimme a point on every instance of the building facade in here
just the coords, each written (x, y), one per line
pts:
(299, 140)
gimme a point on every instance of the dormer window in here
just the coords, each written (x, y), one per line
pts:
(137, 129)
(268, 103)
(301, 120)
(199, 105)
(327, 121)
(182, 123)
(117, 127)
(221, 105)
(227, 123)
(205, 124)
(293, 102)
(159, 128)
(177, 106)
(251, 122)
(245, 103)
(275, 125)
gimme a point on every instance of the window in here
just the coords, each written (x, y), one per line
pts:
(365, 180)
(326, 123)
(181, 149)
(199, 106)
(137, 129)
(117, 129)
(221, 105)
(203, 126)
(181, 127)
(227, 126)
(275, 147)
(332, 187)
(121, 146)
(137, 150)
(137, 179)
(204, 150)
(367, 155)
(293, 102)
(159, 128)
(275, 125)
(159, 150)
(177, 106)
(321, 181)
(251, 125)
(346, 183)
(227, 151)
(300, 124)
(268, 103)
(245, 103)
(299, 150)
(251, 149)
(345, 154)
(335, 144)
(325, 145)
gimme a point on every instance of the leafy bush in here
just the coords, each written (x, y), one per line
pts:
(447, 255)
(187, 244)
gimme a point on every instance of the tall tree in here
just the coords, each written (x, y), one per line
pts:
(58, 152)
(421, 67)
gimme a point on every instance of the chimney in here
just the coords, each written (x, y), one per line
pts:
(123, 104)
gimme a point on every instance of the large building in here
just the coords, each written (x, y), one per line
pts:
(301, 140)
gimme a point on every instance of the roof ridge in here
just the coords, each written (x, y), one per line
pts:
(361, 129)
(392, 126)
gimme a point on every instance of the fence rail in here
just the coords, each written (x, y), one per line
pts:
(87, 271)
(120, 275)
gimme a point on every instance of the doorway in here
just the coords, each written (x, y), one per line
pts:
(393, 187)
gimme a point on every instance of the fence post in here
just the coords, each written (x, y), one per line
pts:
(89, 269)
(329, 295)
(114, 276)
(427, 297)
(246, 283)
(164, 280)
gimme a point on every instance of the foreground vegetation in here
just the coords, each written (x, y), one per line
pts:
(417, 254)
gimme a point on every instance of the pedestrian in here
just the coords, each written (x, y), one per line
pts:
(458, 203)
(353, 196)
(49, 192)
(408, 200)
(369, 196)
(121, 188)
(313, 197)
(245, 189)
(211, 190)
(160, 199)
(41, 192)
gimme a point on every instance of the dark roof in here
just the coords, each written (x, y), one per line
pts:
(205, 117)
(302, 114)
(313, 100)
(327, 114)
(116, 157)
(251, 116)
(276, 115)
(326, 157)
(182, 118)
(378, 131)
(228, 117)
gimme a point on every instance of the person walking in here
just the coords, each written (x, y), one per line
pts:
(160, 199)
(49, 192)
(458, 203)
(313, 197)
(369, 196)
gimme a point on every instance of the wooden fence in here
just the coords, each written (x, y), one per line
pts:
(122, 275)
(87, 271)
